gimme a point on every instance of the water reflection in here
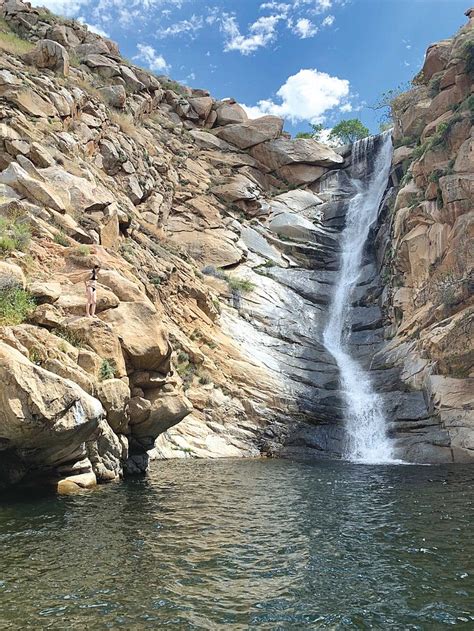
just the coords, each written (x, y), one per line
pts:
(267, 544)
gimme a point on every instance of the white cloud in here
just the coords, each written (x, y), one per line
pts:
(92, 27)
(328, 20)
(62, 7)
(306, 95)
(261, 33)
(304, 28)
(148, 55)
(324, 5)
(347, 107)
(193, 24)
(319, 6)
(276, 6)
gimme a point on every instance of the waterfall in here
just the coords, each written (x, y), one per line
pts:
(366, 439)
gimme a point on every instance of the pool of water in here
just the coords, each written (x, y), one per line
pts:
(267, 544)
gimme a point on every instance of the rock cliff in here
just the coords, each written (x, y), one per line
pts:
(218, 242)
(425, 245)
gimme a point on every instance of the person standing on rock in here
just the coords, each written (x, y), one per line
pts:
(91, 291)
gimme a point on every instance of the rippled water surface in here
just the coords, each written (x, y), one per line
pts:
(245, 544)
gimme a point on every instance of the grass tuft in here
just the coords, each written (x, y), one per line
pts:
(11, 43)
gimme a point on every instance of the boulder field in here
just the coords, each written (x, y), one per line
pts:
(218, 240)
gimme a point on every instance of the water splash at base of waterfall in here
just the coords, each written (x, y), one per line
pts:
(366, 437)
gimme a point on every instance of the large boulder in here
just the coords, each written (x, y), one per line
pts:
(299, 174)
(437, 57)
(138, 326)
(206, 140)
(28, 100)
(252, 132)
(125, 289)
(98, 336)
(106, 67)
(229, 113)
(236, 188)
(114, 394)
(34, 189)
(114, 95)
(44, 419)
(282, 151)
(167, 409)
(49, 54)
(202, 105)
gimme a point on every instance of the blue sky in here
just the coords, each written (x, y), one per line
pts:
(306, 60)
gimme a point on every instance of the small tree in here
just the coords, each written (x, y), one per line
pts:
(386, 101)
(348, 131)
(315, 133)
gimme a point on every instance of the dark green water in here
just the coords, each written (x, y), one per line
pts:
(245, 544)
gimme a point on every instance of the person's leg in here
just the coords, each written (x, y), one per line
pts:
(94, 302)
(88, 301)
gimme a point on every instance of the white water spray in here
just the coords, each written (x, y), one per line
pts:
(367, 440)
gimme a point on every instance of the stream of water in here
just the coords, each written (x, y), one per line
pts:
(367, 440)
(266, 544)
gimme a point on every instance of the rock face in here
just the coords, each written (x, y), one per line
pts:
(45, 419)
(253, 132)
(429, 295)
(49, 54)
(215, 276)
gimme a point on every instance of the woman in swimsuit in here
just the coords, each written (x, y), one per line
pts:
(91, 291)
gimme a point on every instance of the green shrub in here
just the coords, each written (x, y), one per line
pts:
(108, 369)
(468, 106)
(436, 175)
(183, 357)
(16, 305)
(241, 285)
(405, 141)
(83, 250)
(408, 177)
(434, 86)
(419, 150)
(168, 84)
(440, 138)
(61, 239)
(156, 280)
(15, 234)
(34, 356)
(7, 244)
(468, 55)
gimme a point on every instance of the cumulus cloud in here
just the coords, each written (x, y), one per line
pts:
(261, 33)
(148, 55)
(305, 96)
(304, 28)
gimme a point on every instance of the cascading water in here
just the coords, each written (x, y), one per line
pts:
(367, 440)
